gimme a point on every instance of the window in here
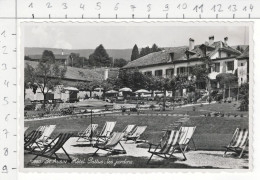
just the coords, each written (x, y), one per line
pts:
(148, 73)
(158, 73)
(230, 65)
(190, 70)
(169, 73)
(242, 64)
(216, 67)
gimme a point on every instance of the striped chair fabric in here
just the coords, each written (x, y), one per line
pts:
(50, 150)
(115, 138)
(167, 145)
(46, 133)
(240, 138)
(107, 129)
(128, 129)
(138, 131)
(186, 136)
(87, 132)
(239, 142)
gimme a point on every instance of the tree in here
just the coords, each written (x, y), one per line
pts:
(119, 62)
(47, 75)
(76, 60)
(132, 79)
(200, 75)
(145, 51)
(155, 48)
(135, 53)
(226, 79)
(100, 57)
(244, 96)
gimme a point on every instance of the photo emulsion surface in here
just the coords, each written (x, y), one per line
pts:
(165, 95)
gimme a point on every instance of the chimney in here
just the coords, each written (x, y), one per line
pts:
(211, 40)
(172, 56)
(191, 44)
(106, 74)
(226, 40)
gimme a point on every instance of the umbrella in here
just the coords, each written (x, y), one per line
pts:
(91, 103)
(112, 92)
(71, 89)
(142, 91)
(125, 89)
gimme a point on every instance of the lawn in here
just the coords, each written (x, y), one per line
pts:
(211, 133)
(225, 108)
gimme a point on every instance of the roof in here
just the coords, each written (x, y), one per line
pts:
(158, 57)
(179, 54)
(39, 56)
(245, 54)
(77, 74)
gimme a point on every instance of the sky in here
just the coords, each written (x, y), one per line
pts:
(86, 36)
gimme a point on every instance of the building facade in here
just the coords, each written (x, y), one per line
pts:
(181, 60)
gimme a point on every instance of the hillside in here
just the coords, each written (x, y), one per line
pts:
(115, 53)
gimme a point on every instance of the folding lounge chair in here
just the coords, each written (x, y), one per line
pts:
(46, 133)
(87, 132)
(186, 137)
(41, 128)
(50, 150)
(110, 144)
(30, 139)
(24, 132)
(128, 129)
(167, 145)
(239, 142)
(45, 137)
(107, 130)
(137, 132)
(25, 129)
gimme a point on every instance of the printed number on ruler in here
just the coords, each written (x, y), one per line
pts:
(136, 9)
(8, 135)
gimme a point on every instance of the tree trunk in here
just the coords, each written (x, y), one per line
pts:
(224, 92)
(164, 99)
(44, 100)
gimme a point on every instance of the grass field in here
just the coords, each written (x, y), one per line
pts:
(211, 133)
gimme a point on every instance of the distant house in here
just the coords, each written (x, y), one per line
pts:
(63, 59)
(68, 88)
(180, 60)
(243, 67)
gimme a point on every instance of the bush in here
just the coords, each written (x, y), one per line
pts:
(152, 106)
(30, 107)
(66, 111)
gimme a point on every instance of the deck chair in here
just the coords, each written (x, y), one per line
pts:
(167, 145)
(50, 150)
(239, 142)
(107, 130)
(128, 129)
(111, 143)
(25, 129)
(24, 132)
(46, 133)
(186, 137)
(31, 139)
(41, 128)
(87, 132)
(137, 132)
